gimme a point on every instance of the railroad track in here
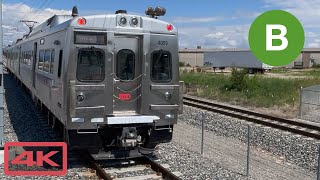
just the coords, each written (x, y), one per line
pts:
(144, 167)
(304, 128)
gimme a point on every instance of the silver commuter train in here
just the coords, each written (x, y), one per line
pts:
(110, 81)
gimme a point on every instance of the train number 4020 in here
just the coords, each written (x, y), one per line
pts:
(163, 43)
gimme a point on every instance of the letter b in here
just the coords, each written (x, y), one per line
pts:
(281, 36)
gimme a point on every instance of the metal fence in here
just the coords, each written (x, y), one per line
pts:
(310, 100)
(248, 157)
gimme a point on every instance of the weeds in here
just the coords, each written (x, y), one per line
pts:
(255, 91)
(238, 80)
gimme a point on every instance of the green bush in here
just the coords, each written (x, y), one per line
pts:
(181, 64)
(237, 80)
(315, 65)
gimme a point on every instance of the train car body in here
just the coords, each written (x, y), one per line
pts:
(112, 81)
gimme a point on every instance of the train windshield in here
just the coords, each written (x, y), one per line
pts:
(125, 64)
(91, 65)
(161, 66)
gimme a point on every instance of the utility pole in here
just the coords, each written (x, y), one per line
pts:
(1, 81)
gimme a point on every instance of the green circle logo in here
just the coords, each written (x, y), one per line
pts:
(276, 38)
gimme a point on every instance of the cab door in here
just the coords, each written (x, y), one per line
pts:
(127, 75)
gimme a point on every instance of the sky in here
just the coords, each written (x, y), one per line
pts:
(206, 23)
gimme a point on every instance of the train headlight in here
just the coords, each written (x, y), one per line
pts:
(123, 21)
(167, 95)
(134, 22)
(80, 98)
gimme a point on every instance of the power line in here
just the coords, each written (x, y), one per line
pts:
(43, 9)
(34, 2)
(33, 7)
(40, 7)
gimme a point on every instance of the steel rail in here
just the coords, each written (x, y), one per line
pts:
(94, 165)
(301, 128)
(165, 173)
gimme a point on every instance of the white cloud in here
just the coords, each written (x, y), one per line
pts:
(196, 20)
(13, 13)
(314, 45)
(311, 34)
(232, 43)
(215, 35)
(218, 37)
(306, 11)
(237, 35)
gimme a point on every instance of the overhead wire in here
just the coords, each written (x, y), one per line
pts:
(32, 6)
(38, 9)
(44, 9)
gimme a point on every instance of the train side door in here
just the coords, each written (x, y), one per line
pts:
(56, 93)
(127, 75)
(35, 50)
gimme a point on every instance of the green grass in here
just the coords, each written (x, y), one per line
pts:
(314, 72)
(255, 91)
(279, 71)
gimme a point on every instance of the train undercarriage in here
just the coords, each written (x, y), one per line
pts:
(120, 141)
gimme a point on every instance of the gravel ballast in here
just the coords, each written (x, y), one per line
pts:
(191, 164)
(313, 116)
(294, 148)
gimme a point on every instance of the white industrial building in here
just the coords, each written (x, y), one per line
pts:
(196, 57)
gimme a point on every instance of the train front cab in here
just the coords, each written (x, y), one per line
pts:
(125, 92)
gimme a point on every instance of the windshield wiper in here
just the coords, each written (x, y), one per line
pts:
(159, 55)
(94, 51)
(96, 54)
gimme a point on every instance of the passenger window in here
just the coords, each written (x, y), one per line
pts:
(60, 64)
(46, 63)
(22, 58)
(25, 57)
(125, 64)
(91, 65)
(52, 62)
(41, 59)
(161, 66)
(30, 58)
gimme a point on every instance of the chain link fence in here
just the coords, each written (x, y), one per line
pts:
(310, 100)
